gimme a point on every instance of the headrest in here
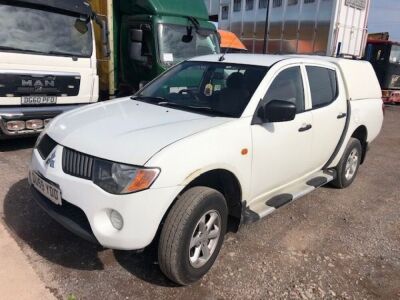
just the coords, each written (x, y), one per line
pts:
(235, 81)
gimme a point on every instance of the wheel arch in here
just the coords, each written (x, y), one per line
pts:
(361, 134)
(227, 184)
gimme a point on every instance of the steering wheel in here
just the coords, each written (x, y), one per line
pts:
(191, 93)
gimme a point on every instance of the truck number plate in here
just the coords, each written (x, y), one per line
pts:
(38, 100)
(47, 189)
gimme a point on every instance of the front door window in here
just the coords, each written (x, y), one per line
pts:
(287, 86)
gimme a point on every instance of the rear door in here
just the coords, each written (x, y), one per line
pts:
(329, 111)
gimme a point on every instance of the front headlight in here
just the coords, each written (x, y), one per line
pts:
(118, 178)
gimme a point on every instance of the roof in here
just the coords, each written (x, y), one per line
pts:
(187, 8)
(243, 58)
(80, 7)
(384, 42)
(230, 40)
(268, 60)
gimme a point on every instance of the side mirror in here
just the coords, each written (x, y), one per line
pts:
(105, 42)
(136, 35)
(136, 45)
(277, 111)
(136, 51)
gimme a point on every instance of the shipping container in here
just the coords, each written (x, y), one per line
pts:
(324, 27)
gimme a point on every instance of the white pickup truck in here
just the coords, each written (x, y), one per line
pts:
(235, 135)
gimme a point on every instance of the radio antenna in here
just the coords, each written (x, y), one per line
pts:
(222, 57)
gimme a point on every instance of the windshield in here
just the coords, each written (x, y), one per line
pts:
(395, 55)
(219, 89)
(178, 43)
(37, 31)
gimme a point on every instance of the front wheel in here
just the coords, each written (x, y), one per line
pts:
(192, 235)
(348, 166)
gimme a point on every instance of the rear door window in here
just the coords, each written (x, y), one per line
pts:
(323, 85)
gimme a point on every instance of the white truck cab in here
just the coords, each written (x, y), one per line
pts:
(47, 62)
(215, 136)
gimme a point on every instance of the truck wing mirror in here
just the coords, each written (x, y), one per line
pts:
(105, 42)
(135, 52)
(277, 111)
(136, 35)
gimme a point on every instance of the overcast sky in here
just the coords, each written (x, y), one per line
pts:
(385, 16)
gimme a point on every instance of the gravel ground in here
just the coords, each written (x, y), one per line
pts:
(331, 244)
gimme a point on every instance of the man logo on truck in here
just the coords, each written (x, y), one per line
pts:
(38, 84)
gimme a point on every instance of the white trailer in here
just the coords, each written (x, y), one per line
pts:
(323, 27)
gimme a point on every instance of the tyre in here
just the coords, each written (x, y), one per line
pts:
(348, 166)
(192, 235)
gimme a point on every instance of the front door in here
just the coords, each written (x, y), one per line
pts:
(281, 151)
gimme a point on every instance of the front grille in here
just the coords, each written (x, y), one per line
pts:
(77, 164)
(39, 84)
(46, 145)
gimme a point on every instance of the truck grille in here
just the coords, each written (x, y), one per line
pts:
(77, 164)
(46, 145)
(39, 84)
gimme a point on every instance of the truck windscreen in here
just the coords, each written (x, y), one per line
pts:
(395, 55)
(29, 30)
(178, 43)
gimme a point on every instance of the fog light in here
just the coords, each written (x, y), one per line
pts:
(34, 124)
(15, 125)
(47, 121)
(116, 220)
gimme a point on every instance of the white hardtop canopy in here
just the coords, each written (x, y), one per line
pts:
(359, 76)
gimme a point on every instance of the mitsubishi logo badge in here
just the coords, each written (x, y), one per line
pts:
(51, 160)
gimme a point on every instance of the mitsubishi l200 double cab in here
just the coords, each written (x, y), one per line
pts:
(215, 136)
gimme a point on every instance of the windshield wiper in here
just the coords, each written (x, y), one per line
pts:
(203, 109)
(36, 51)
(151, 99)
(61, 53)
(20, 50)
(10, 48)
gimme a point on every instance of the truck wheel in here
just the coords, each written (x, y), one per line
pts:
(192, 235)
(348, 166)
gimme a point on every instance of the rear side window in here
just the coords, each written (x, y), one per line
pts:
(323, 85)
(287, 86)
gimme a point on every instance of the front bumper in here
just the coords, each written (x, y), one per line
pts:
(24, 113)
(71, 217)
(142, 212)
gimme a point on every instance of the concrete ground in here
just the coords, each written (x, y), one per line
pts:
(331, 244)
(17, 278)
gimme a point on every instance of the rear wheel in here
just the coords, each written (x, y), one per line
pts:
(192, 235)
(348, 166)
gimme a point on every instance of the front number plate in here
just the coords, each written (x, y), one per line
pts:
(49, 190)
(38, 100)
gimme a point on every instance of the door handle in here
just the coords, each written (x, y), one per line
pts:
(305, 127)
(342, 115)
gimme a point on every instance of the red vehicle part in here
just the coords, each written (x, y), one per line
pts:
(391, 96)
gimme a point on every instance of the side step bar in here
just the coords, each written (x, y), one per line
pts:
(286, 195)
